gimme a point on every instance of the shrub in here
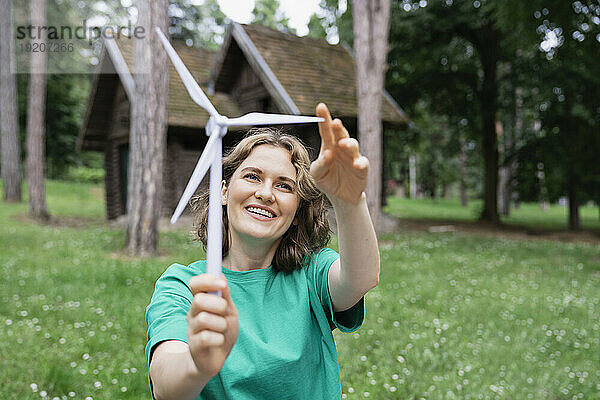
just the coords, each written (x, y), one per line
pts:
(85, 175)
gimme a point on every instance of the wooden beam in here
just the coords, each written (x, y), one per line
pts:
(120, 66)
(266, 75)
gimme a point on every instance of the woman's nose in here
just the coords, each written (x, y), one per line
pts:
(265, 193)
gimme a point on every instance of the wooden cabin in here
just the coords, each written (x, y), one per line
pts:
(256, 69)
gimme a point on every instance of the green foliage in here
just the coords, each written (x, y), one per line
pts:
(559, 153)
(333, 21)
(198, 25)
(436, 142)
(73, 14)
(201, 25)
(427, 63)
(437, 54)
(67, 97)
(399, 144)
(315, 28)
(85, 175)
(267, 13)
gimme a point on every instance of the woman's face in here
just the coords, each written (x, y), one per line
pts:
(261, 196)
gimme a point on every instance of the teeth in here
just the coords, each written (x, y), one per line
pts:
(260, 211)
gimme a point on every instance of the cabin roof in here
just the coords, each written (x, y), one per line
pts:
(298, 72)
(303, 71)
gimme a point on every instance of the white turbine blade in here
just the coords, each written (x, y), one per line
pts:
(257, 118)
(194, 90)
(201, 167)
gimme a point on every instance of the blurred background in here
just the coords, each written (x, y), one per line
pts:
(490, 195)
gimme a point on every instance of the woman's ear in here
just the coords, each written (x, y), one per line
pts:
(224, 193)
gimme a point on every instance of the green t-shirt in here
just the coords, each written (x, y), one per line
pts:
(285, 348)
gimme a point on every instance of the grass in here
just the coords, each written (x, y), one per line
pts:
(529, 215)
(454, 316)
(471, 318)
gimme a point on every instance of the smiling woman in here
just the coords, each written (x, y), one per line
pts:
(282, 292)
(274, 167)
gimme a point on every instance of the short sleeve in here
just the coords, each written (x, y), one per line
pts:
(168, 308)
(318, 271)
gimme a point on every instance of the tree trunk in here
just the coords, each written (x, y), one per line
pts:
(573, 207)
(445, 191)
(503, 171)
(384, 189)
(11, 160)
(462, 161)
(36, 120)
(148, 132)
(490, 147)
(371, 27)
(516, 140)
(541, 175)
(412, 172)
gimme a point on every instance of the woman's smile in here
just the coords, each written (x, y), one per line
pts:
(261, 213)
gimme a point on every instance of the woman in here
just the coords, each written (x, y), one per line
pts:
(269, 335)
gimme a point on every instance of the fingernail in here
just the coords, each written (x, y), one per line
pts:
(221, 284)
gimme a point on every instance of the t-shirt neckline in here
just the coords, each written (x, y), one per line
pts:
(252, 274)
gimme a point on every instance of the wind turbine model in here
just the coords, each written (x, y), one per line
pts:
(216, 128)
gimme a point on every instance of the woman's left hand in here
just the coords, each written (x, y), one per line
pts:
(340, 171)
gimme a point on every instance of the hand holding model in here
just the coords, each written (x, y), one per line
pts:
(212, 323)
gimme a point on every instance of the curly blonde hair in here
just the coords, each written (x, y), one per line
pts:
(312, 230)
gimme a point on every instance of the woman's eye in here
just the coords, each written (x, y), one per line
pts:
(285, 186)
(253, 177)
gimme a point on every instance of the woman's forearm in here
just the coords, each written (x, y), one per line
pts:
(175, 376)
(357, 241)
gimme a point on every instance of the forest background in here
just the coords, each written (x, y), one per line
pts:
(504, 97)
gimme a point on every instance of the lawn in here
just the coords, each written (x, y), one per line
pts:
(529, 215)
(454, 316)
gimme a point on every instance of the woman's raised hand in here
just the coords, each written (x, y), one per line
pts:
(340, 171)
(212, 323)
